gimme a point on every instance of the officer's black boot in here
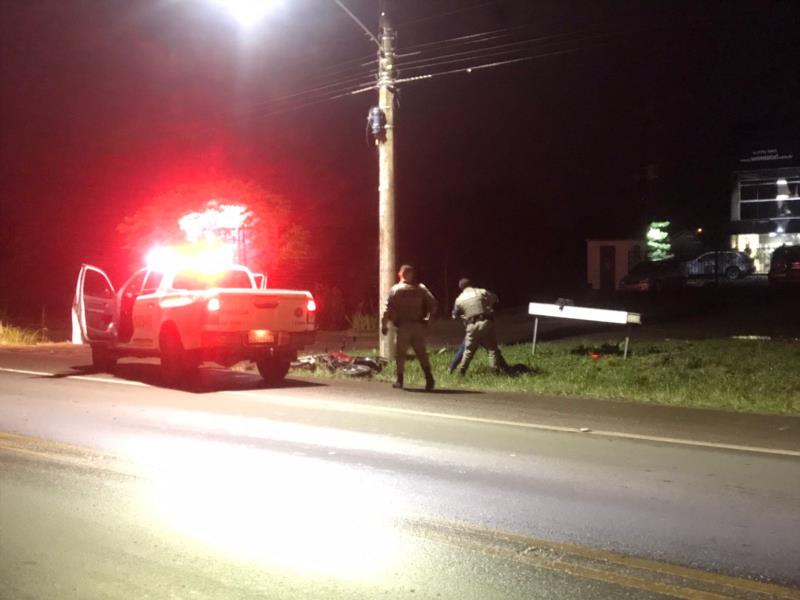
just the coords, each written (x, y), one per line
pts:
(429, 382)
(398, 384)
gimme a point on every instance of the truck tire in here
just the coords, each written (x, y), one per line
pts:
(272, 370)
(103, 359)
(177, 365)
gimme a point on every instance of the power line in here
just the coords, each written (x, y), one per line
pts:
(341, 68)
(470, 38)
(325, 87)
(493, 64)
(285, 109)
(357, 81)
(446, 14)
(485, 51)
(361, 63)
(273, 107)
(517, 46)
(363, 27)
(358, 85)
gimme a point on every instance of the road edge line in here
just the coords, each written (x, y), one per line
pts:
(344, 406)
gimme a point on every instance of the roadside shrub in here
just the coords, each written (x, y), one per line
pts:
(363, 322)
(11, 335)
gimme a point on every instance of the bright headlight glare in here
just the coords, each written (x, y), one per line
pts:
(310, 516)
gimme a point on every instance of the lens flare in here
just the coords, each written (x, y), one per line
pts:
(213, 240)
(209, 257)
(305, 515)
(218, 221)
(248, 12)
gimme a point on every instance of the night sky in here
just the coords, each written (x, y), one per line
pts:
(502, 173)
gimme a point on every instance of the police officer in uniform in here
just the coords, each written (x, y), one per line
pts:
(476, 307)
(409, 306)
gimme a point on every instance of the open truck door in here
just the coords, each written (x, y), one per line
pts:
(93, 307)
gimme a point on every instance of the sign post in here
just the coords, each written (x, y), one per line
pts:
(583, 313)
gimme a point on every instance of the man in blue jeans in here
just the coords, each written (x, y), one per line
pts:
(456, 359)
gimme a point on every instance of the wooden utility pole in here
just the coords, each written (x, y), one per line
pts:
(386, 202)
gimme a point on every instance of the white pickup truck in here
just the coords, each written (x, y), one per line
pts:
(185, 317)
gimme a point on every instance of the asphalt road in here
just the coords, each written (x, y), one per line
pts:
(114, 487)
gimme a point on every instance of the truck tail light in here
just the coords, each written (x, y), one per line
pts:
(213, 304)
(311, 311)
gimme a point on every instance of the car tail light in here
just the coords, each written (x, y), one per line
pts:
(214, 304)
(796, 265)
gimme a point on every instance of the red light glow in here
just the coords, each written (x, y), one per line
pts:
(206, 258)
(211, 237)
(217, 222)
(176, 302)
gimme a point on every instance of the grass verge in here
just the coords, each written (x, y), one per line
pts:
(11, 335)
(760, 376)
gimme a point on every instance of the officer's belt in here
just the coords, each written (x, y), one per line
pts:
(478, 318)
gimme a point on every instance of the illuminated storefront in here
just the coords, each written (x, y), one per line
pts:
(765, 204)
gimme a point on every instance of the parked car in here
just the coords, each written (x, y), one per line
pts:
(654, 276)
(725, 263)
(784, 267)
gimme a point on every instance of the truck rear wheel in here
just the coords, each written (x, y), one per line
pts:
(103, 360)
(177, 365)
(273, 370)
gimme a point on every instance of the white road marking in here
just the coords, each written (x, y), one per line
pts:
(81, 377)
(106, 380)
(343, 406)
(340, 406)
(24, 372)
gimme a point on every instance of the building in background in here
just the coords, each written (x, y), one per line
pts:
(608, 261)
(765, 203)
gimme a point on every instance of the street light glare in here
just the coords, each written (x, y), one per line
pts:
(248, 12)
